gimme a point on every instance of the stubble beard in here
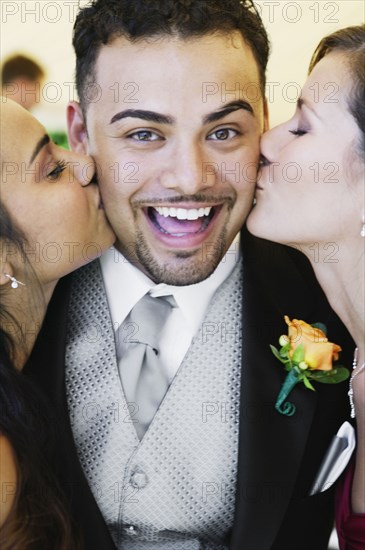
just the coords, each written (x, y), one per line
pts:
(186, 268)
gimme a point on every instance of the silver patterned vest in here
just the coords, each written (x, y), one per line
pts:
(175, 489)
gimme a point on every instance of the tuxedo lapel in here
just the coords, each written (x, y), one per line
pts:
(271, 444)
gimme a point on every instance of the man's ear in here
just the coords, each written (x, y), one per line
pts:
(266, 116)
(77, 134)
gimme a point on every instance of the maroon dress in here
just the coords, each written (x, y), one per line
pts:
(350, 527)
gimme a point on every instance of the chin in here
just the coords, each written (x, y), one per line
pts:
(183, 271)
(256, 228)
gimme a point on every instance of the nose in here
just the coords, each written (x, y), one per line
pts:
(272, 142)
(83, 168)
(190, 171)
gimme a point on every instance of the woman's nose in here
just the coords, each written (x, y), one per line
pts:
(273, 141)
(269, 146)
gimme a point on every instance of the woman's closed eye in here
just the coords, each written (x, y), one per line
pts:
(57, 170)
(298, 132)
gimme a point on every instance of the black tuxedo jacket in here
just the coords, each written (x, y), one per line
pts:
(279, 456)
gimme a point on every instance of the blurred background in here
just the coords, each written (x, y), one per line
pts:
(42, 30)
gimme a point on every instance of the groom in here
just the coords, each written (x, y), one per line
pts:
(172, 108)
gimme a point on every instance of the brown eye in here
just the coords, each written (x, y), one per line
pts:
(223, 134)
(145, 135)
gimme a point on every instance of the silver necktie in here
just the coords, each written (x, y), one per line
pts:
(143, 380)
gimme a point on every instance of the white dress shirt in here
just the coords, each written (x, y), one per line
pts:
(126, 285)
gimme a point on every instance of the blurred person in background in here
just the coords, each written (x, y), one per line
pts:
(21, 80)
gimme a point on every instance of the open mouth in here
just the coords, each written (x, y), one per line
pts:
(180, 222)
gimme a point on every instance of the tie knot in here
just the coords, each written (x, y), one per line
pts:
(148, 318)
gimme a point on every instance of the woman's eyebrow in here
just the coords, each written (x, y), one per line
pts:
(41, 143)
(301, 101)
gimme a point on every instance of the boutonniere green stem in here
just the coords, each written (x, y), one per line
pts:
(307, 356)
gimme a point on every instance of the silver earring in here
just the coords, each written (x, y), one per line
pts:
(362, 232)
(14, 282)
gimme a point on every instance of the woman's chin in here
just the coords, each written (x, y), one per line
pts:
(258, 226)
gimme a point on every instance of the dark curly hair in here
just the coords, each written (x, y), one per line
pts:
(103, 20)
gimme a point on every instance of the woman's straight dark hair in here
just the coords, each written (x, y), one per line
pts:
(38, 519)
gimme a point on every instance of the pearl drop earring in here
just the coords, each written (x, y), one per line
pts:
(14, 282)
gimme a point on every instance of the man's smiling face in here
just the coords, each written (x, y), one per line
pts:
(175, 135)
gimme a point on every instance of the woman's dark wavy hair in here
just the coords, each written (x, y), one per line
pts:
(38, 519)
(351, 42)
(103, 20)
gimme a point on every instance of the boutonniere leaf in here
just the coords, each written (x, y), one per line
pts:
(307, 356)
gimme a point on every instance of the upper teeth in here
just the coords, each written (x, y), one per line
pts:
(183, 213)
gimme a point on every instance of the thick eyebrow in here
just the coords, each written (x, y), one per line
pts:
(41, 143)
(227, 109)
(159, 118)
(150, 116)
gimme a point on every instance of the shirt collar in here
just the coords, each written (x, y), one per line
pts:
(125, 285)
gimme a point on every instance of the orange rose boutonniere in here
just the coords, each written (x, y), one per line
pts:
(307, 355)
